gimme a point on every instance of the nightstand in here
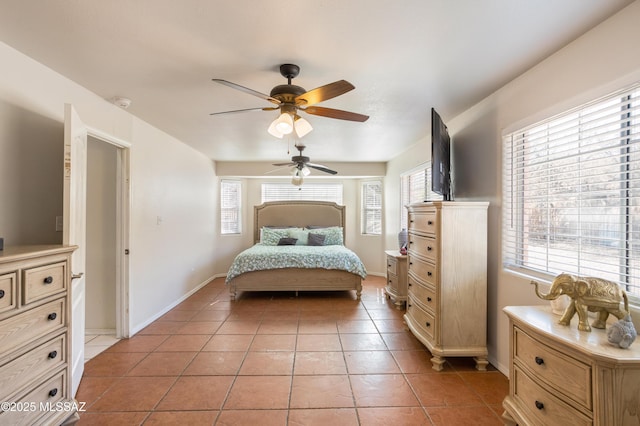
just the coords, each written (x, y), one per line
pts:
(396, 287)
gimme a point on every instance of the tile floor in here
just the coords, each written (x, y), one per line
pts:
(277, 359)
(95, 344)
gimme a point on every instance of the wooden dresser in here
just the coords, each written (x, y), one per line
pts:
(34, 336)
(447, 279)
(562, 376)
(396, 287)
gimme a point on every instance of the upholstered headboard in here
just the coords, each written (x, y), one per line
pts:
(297, 213)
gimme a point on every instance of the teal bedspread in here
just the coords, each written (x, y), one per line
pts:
(261, 257)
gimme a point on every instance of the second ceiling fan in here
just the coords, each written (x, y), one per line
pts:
(291, 99)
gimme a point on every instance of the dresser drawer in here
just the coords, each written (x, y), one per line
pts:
(46, 394)
(8, 291)
(544, 408)
(424, 271)
(423, 294)
(392, 265)
(28, 367)
(423, 319)
(425, 222)
(423, 246)
(43, 281)
(32, 324)
(564, 373)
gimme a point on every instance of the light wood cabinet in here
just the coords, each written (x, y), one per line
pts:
(447, 279)
(396, 288)
(559, 375)
(34, 335)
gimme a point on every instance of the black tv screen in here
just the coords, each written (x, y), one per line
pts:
(440, 157)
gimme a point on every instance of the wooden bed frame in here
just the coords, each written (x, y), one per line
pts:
(300, 214)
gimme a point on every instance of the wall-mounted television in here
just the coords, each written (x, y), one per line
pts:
(440, 157)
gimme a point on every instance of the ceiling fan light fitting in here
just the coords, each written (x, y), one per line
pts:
(302, 126)
(274, 131)
(284, 124)
(296, 180)
(305, 171)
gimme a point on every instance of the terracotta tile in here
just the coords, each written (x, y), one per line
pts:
(280, 315)
(197, 393)
(477, 416)
(278, 327)
(321, 392)
(402, 341)
(162, 364)
(91, 388)
(307, 363)
(273, 342)
(162, 327)
(443, 389)
(318, 342)
(386, 313)
(178, 315)
(252, 418)
(112, 364)
(323, 417)
(492, 386)
(191, 305)
(239, 327)
(211, 316)
(134, 394)
(356, 326)
(315, 314)
(180, 418)
(362, 342)
(405, 416)
(267, 363)
(371, 362)
(352, 314)
(200, 327)
(215, 364)
(183, 343)
(138, 343)
(110, 419)
(317, 327)
(219, 305)
(259, 392)
(418, 361)
(384, 390)
(229, 342)
(391, 326)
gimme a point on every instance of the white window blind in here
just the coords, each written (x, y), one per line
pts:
(372, 208)
(572, 193)
(308, 191)
(415, 185)
(230, 203)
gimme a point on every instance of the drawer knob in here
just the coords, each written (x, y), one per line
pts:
(408, 305)
(53, 392)
(48, 280)
(410, 263)
(428, 299)
(539, 405)
(1, 294)
(52, 316)
(539, 360)
(428, 324)
(410, 284)
(429, 248)
(53, 354)
(429, 274)
(429, 222)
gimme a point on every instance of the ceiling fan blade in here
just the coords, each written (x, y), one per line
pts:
(325, 92)
(246, 90)
(321, 168)
(284, 164)
(239, 110)
(336, 113)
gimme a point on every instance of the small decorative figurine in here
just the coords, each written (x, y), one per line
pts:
(622, 332)
(587, 294)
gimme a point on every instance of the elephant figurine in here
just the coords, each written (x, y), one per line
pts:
(587, 294)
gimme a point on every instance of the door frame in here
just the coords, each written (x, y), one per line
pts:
(123, 219)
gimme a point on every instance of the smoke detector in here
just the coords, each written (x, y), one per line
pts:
(121, 102)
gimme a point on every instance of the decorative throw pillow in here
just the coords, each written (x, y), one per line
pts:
(333, 235)
(316, 239)
(271, 237)
(287, 241)
(300, 234)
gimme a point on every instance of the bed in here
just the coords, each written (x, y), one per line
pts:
(280, 215)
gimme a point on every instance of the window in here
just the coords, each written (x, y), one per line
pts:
(230, 202)
(372, 208)
(572, 193)
(414, 185)
(309, 191)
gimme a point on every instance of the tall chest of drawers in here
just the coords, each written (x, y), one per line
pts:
(561, 376)
(35, 336)
(447, 279)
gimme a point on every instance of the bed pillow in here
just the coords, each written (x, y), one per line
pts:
(287, 241)
(302, 235)
(316, 239)
(333, 235)
(271, 237)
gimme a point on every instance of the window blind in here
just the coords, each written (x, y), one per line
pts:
(230, 203)
(372, 208)
(308, 191)
(415, 185)
(571, 193)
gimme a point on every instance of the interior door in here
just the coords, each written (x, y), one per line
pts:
(74, 231)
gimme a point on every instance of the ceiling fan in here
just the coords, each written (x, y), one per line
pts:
(291, 99)
(300, 166)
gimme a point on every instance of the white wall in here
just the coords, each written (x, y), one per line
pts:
(168, 180)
